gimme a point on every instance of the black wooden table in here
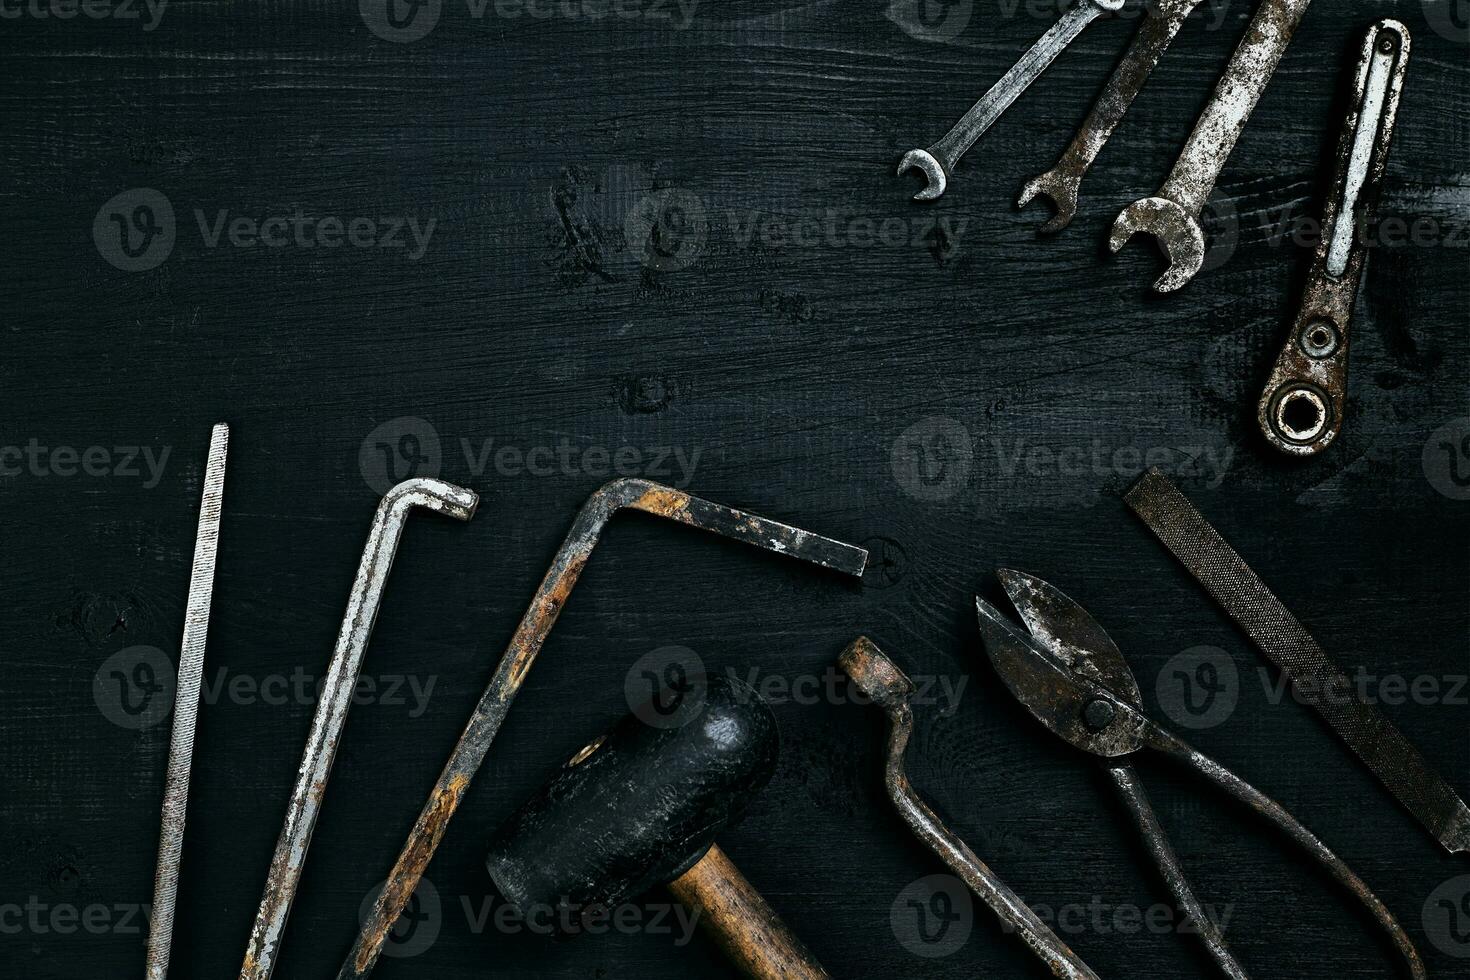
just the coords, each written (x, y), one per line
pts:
(532, 246)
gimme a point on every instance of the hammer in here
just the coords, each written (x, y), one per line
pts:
(640, 806)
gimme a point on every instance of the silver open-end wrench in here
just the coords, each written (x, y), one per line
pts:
(1172, 215)
(1061, 182)
(938, 161)
(1301, 409)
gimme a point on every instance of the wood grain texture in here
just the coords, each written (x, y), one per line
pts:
(796, 365)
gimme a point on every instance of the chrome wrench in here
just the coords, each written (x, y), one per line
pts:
(1061, 182)
(939, 160)
(1172, 215)
(1301, 409)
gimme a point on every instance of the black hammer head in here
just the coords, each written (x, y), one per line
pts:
(639, 806)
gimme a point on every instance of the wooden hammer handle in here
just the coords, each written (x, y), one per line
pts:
(732, 913)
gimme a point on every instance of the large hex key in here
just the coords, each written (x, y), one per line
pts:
(515, 663)
(332, 705)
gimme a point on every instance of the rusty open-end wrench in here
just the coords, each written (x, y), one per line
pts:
(535, 625)
(332, 705)
(1061, 182)
(1172, 215)
(1301, 409)
(939, 160)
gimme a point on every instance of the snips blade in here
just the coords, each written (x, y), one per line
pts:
(1066, 670)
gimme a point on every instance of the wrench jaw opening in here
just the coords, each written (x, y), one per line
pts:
(935, 178)
(1060, 191)
(1177, 231)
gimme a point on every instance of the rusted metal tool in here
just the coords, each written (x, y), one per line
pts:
(546, 605)
(186, 707)
(938, 161)
(1072, 678)
(880, 679)
(334, 701)
(1287, 644)
(1172, 215)
(641, 806)
(1301, 409)
(1061, 183)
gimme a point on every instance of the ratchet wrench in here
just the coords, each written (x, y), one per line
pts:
(1301, 409)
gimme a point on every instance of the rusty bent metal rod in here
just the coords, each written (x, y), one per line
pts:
(551, 595)
(332, 705)
(890, 688)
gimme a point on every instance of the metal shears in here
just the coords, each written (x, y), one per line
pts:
(1071, 676)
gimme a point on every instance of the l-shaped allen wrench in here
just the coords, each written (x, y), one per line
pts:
(551, 595)
(333, 702)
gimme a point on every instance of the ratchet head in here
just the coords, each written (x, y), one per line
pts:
(1177, 231)
(1061, 190)
(935, 179)
(1066, 670)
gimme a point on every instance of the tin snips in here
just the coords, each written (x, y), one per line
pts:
(1071, 676)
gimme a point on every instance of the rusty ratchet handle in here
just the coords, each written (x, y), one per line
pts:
(332, 705)
(535, 625)
(1238, 789)
(1301, 410)
(890, 688)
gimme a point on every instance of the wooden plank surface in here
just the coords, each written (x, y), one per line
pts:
(933, 381)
